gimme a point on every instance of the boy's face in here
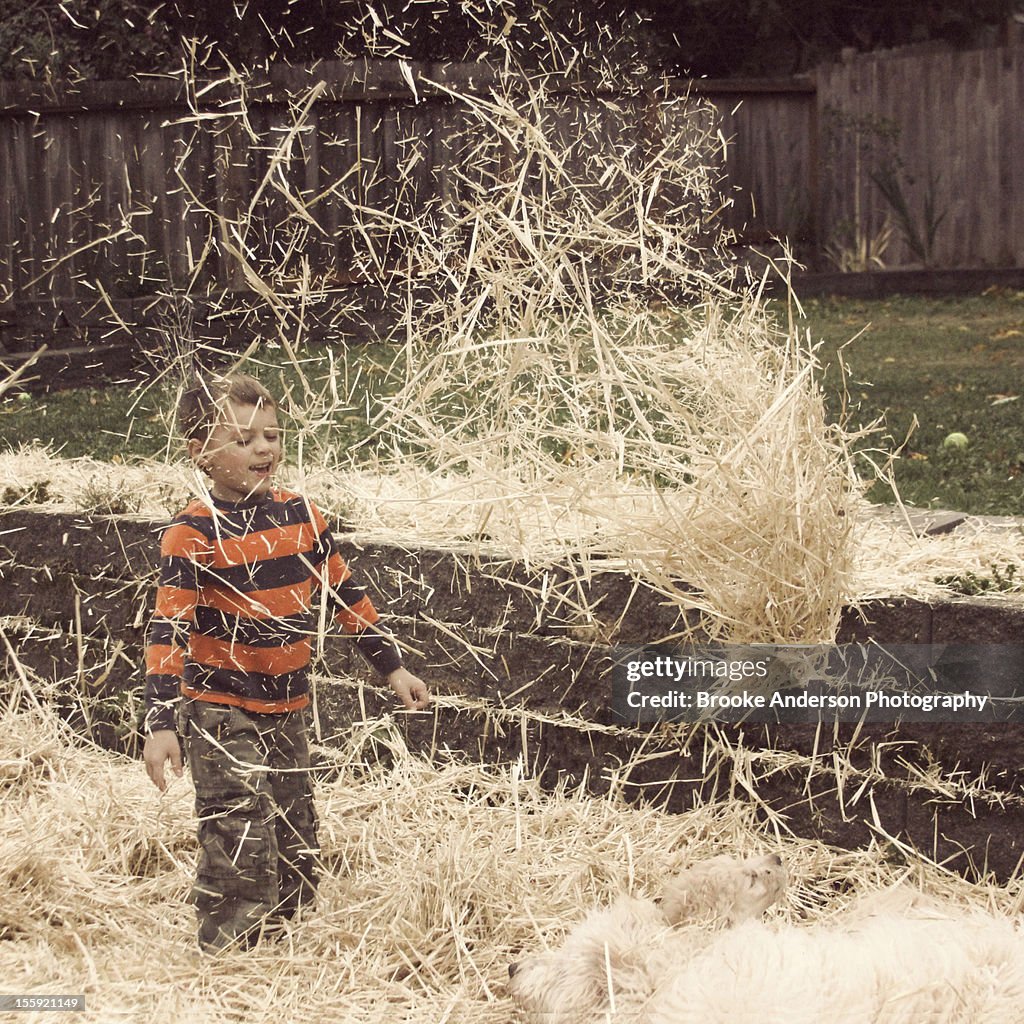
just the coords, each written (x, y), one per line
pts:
(241, 453)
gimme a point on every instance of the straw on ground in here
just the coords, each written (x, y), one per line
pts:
(436, 877)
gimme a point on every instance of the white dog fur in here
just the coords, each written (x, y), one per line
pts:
(895, 960)
(613, 959)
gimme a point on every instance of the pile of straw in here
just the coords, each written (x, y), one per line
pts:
(435, 878)
(35, 477)
(592, 364)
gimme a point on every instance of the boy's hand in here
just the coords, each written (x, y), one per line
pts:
(161, 745)
(411, 689)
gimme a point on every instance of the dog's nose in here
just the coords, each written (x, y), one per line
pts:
(512, 968)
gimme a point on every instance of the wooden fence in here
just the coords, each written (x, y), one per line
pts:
(952, 123)
(112, 187)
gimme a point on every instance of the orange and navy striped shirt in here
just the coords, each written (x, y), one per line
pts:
(239, 601)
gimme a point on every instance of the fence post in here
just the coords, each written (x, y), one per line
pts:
(814, 165)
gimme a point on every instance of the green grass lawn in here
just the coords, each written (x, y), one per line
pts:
(114, 423)
(951, 364)
(123, 423)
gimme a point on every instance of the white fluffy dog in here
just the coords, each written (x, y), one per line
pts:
(614, 960)
(897, 961)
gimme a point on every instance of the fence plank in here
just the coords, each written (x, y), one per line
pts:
(1014, 97)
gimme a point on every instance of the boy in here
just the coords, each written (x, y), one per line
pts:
(228, 651)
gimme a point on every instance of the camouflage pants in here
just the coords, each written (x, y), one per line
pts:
(257, 824)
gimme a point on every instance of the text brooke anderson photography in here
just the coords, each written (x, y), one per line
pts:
(702, 700)
(794, 683)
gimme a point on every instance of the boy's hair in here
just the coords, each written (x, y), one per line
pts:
(203, 399)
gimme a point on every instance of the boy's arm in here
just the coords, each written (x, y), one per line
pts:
(165, 657)
(355, 613)
(353, 610)
(167, 641)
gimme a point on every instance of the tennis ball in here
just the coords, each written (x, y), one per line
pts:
(955, 440)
